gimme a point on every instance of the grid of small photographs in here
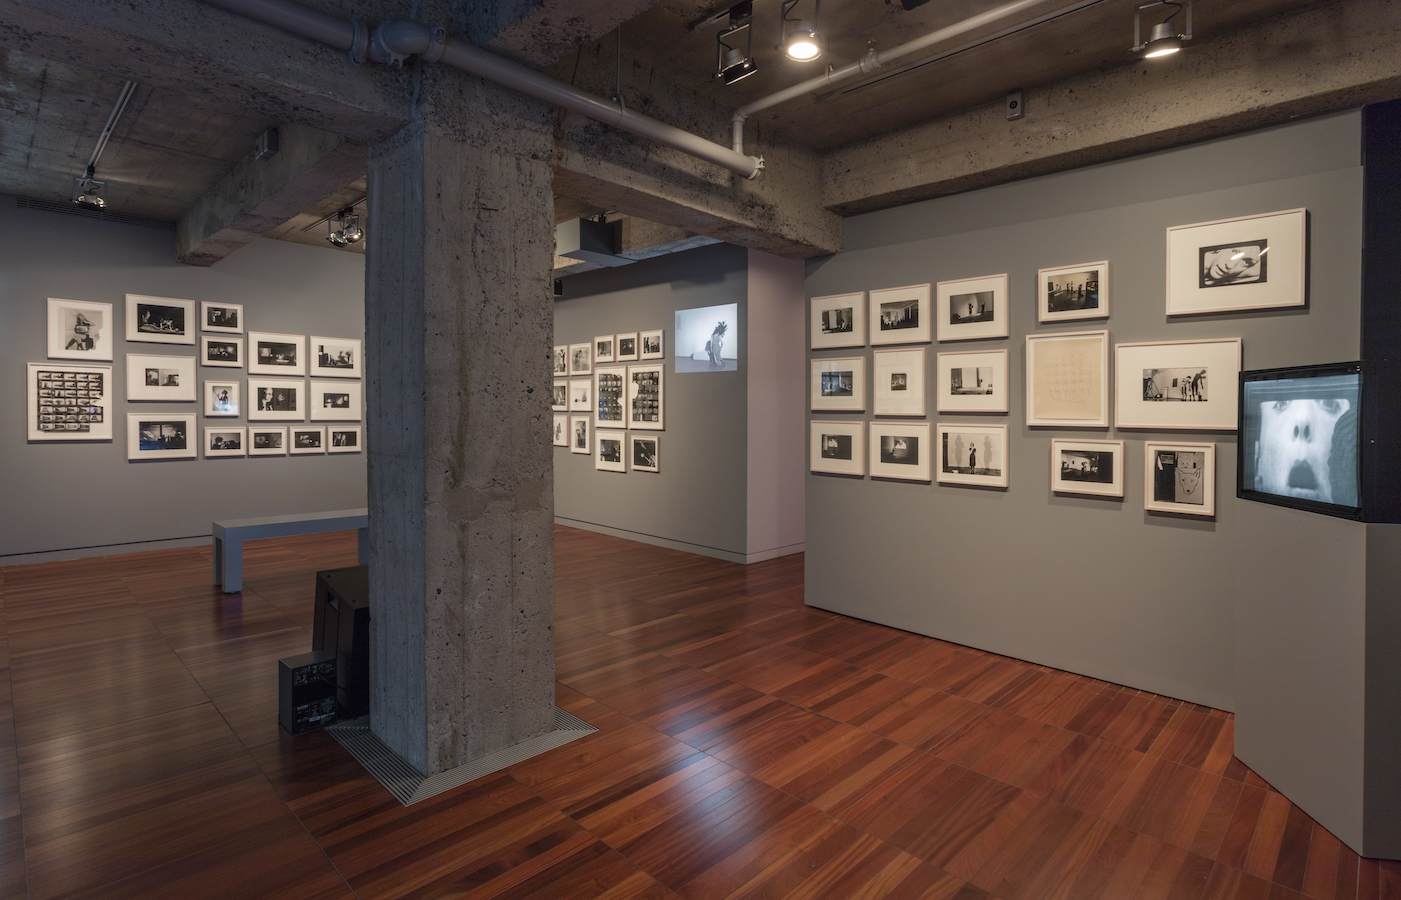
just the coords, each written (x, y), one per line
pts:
(613, 411)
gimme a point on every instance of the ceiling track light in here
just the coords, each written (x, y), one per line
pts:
(87, 190)
(343, 228)
(733, 63)
(801, 40)
(1163, 39)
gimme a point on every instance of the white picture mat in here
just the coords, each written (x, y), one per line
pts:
(559, 434)
(581, 359)
(644, 338)
(641, 444)
(996, 327)
(990, 452)
(96, 431)
(889, 363)
(559, 389)
(559, 360)
(856, 431)
(917, 294)
(205, 341)
(65, 329)
(182, 368)
(609, 439)
(297, 433)
(1045, 277)
(947, 363)
(917, 471)
(260, 341)
(835, 303)
(1067, 379)
(337, 352)
(1286, 232)
(639, 379)
(136, 316)
(134, 423)
(620, 354)
(279, 433)
(1220, 358)
(581, 395)
(348, 445)
(856, 365)
(1208, 481)
(255, 399)
(211, 432)
(208, 309)
(604, 348)
(215, 404)
(603, 379)
(579, 427)
(321, 390)
(1069, 485)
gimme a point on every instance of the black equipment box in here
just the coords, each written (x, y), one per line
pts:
(342, 629)
(306, 691)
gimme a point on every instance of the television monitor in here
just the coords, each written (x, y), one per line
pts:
(1300, 438)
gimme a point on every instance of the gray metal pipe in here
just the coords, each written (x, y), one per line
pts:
(395, 41)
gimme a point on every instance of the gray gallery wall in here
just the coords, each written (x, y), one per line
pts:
(84, 498)
(697, 502)
(1099, 586)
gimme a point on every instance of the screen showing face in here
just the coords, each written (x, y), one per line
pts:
(1299, 437)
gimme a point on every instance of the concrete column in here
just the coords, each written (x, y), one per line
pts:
(459, 326)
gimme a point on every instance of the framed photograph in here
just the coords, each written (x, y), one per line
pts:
(899, 382)
(609, 387)
(1067, 379)
(276, 354)
(653, 344)
(161, 436)
(1250, 262)
(559, 398)
(608, 451)
(580, 359)
(335, 357)
(900, 450)
(277, 399)
(79, 330)
(603, 349)
(69, 402)
(159, 320)
(224, 441)
(645, 450)
(1088, 467)
(971, 381)
(226, 318)
(1177, 384)
(170, 378)
(972, 454)
(336, 401)
(1179, 478)
(1073, 292)
(838, 448)
(707, 339)
(579, 434)
(221, 398)
(839, 384)
(626, 348)
(972, 308)
(264, 441)
(838, 321)
(581, 395)
(342, 438)
(559, 360)
(306, 439)
(221, 351)
(646, 409)
(560, 434)
(900, 315)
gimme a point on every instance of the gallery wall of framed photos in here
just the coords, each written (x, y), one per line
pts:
(135, 386)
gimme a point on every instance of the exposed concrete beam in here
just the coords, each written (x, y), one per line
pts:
(538, 32)
(1326, 57)
(640, 239)
(258, 196)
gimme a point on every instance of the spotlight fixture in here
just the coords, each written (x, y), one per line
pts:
(801, 42)
(343, 228)
(1163, 39)
(733, 63)
(88, 191)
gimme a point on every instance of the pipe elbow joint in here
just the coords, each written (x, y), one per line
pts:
(395, 42)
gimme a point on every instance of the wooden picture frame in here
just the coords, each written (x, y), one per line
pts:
(279, 355)
(306, 440)
(610, 450)
(331, 357)
(970, 309)
(838, 320)
(79, 330)
(221, 351)
(336, 401)
(645, 452)
(161, 435)
(559, 431)
(559, 360)
(1069, 293)
(1067, 379)
(625, 347)
(581, 395)
(160, 378)
(559, 396)
(1087, 467)
(1238, 264)
(899, 382)
(603, 346)
(579, 434)
(838, 384)
(899, 450)
(837, 448)
(1192, 385)
(265, 441)
(652, 344)
(221, 398)
(900, 315)
(580, 359)
(159, 320)
(971, 381)
(225, 441)
(223, 318)
(972, 454)
(343, 438)
(645, 403)
(1179, 478)
(610, 385)
(68, 402)
(277, 399)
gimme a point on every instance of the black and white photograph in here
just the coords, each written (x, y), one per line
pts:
(603, 349)
(972, 308)
(559, 360)
(899, 382)
(220, 441)
(838, 321)
(609, 388)
(900, 315)
(579, 434)
(276, 354)
(342, 438)
(838, 448)
(972, 454)
(226, 318)
(653, 344)
(972, 381)
(581, 359)
(276, 399)
(559, 396)
(608, 451)
(335, 357)
(1087, 467)
(267, 441)
(221, 351)
(626, 348)
(303, 440)
(899, 450)
(1231, 265)
(1184, 385)
(646, 454)
(707, 339)
(163, 378)
(336, 401)
(646, 397)
(1073, 292)
(221, 398)
(581, 395)
(559, 431)
(839, 384)
(1177, 384)
(69, 402)
(159, 320)
(161, 436)
(1179, 478)
(79, 330)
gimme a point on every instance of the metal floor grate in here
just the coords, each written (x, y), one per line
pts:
(408, 786)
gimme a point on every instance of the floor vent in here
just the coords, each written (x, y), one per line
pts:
(408, 786)
(87, 212)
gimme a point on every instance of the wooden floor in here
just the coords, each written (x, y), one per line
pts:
(748, 747)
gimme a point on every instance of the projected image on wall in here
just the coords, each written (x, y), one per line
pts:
(707, 339)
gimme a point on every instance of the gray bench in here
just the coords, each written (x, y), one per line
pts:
(230, 535)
